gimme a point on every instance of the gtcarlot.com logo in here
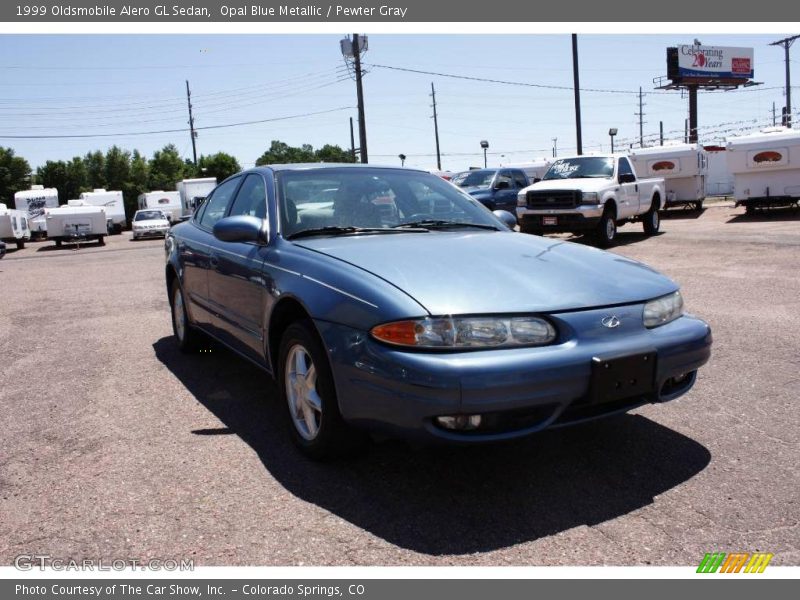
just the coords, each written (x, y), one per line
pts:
(734, 562)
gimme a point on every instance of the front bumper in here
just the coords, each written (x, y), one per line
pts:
(141, 233)
(581, 218)
(519, 391)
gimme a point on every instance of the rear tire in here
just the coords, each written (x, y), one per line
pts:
(651, 220)
(606, 231)
(698, 206)
(20, 244)
(750, 210)
(186, 336)
(305, 381)
(58, 243)
(101, 241)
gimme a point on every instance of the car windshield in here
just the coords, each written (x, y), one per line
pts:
(148, 215)
(348, 200)
(479, 179)
(581, 167)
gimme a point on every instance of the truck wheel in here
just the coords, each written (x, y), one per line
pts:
(58, 243)
(651, 220)
(101, 241)
(698, 206)
(307, 389)
(20, 244)
(606, 231)
(750, 210)
(188, 337)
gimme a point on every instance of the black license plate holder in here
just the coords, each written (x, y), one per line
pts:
(618, 377)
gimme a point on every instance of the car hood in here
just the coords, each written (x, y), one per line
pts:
(586, 185)
(467, 272)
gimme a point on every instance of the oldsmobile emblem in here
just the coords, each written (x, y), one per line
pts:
(611, 321)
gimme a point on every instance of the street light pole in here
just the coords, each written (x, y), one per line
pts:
(402, 158)
(485, 146)
(611, 133)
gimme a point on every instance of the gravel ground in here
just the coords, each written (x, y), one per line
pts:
(117, 446)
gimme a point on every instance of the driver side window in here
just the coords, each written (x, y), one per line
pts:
(217, 203)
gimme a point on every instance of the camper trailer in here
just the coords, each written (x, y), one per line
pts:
(766, 168)
(77, 221)
(34, 202)
(719, 179)
(167, 202)
(113, 204)
(683, 167)
(533, 170)
(193, 192)
(14, 226)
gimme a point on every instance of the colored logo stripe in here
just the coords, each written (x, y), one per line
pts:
(734, 562)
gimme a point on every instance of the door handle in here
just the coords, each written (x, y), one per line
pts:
(636, 187)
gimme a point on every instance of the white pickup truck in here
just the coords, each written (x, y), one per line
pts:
(590, 194)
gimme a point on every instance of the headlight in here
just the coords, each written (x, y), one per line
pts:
(590, 198)
(663, 310)
(522, 199)
(466, 332)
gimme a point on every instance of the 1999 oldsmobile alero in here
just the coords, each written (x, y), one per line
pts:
(387, 299)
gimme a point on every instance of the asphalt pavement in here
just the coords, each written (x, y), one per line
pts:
(117, 446)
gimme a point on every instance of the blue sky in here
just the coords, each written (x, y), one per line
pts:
(120, 84)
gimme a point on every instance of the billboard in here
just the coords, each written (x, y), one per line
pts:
(714, 62)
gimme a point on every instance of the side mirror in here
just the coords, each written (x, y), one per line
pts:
(627, 178)
(502, 185)
(506, 217)
(242, 229)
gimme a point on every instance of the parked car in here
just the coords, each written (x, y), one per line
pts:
(591, 194)
(2, 249)
(149, 223)
(496, 189)
(432, 320)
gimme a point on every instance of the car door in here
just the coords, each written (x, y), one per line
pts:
(194, 251)
(505, 191)
(629, 205)
(236, 283)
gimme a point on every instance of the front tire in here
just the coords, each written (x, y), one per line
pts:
(606, 231)
(187, 337)
(307, 389)
(651, 220)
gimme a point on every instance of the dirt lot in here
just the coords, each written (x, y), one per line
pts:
(115, 445)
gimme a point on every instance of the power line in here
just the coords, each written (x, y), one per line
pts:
(182, 130)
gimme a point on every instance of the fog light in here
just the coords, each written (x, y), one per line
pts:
(460, 422)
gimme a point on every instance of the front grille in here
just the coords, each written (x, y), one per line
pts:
(553, 198)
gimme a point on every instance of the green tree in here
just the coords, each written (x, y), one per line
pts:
(220, 165)
(70, 178)
(117, 167)
(166, 168)
(282, 153)
(96, 168)
(15, 173)
(136, 183)
(333, 154)
(189, 169)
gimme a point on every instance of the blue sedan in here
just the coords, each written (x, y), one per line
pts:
(388, 299)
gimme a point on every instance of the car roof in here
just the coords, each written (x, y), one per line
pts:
(307, 166)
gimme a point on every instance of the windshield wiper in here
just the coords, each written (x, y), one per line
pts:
(335, 230)
(439, 224)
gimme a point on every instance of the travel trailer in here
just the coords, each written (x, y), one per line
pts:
(14, 226)
(77, 221)
(766, 168)
(167, 202)
(113, 204)
(683, 167)
(34, 202)
(193, 192)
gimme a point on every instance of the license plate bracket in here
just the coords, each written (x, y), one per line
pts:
(618, 377)
(550, 221)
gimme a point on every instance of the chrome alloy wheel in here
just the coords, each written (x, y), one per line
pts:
(305, 404)
(611, 229)
(654, 219)
(178, 314)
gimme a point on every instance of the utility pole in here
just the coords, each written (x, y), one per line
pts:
(352, 141)
(555, 147)
(576, 84)
(436, 129)
(661, 132)
(640, 114)
(774, 116)
(787, 43)
(192, 132)
(692, 114)
(362, 122)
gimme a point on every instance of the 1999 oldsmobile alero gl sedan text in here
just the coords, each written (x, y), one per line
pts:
(388, 299)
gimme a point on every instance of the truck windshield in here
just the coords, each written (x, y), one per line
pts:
(479, 179)
(581, 167)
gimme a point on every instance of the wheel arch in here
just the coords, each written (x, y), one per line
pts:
(288, 310)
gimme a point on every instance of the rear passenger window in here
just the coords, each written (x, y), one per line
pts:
(251, 200)
(520, 179)
(217, 203)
